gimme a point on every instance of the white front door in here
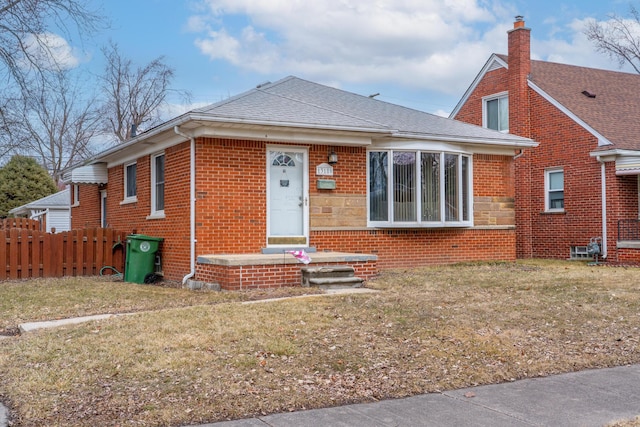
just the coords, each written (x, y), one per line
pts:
(287, 197)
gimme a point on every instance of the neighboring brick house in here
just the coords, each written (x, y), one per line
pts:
(295, 164)
(581, 182)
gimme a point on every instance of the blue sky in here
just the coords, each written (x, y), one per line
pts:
(419, 53)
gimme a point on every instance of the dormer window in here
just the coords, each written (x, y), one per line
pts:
(495, 112)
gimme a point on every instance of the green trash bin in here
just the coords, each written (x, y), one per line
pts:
(141, 257)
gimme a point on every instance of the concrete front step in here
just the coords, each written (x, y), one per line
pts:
(330, 276)
(354, 282)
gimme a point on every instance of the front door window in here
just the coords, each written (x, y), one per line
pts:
(287, 201)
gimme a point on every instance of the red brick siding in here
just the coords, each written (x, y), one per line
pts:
(86, 214)
(349, 179)
(397, 248)
(268, 276)
(493, 176)
(132, 217)
(492, 83)
(563, 143)
(231, 209)
(626, 256)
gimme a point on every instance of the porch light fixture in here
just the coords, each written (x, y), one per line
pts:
(333, 157)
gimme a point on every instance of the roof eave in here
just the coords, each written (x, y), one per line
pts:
(602, 140)
(494, 58)
(515, 143)
(204, 118)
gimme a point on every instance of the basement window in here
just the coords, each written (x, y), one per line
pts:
(579, 252)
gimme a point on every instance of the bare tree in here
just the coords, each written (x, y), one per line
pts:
(618, 37)
(55, 123)
(133, 95)
(27, 28)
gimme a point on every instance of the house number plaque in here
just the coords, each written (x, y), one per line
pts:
(324, 169)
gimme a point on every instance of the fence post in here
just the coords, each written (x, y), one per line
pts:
(4, 236)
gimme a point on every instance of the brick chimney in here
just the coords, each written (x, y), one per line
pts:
(519, 62)
(519, 68)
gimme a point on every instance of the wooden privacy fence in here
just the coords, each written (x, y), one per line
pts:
(28, 253)
(29, 224)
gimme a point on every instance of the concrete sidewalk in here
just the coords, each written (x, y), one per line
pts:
(580, 399)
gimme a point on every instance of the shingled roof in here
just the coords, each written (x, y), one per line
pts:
(59, 200)
(607, 101)
(292, 100)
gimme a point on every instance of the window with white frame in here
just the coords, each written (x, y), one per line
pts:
(409, 188)
(157, 184)
(75, 195)
(495, 112)
(554, 189)
(130, 189)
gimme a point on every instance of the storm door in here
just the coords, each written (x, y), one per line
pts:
(287, 197)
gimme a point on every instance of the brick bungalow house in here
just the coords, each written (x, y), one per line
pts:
(581, 182)
(295, 164)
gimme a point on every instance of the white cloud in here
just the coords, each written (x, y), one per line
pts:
(424, 44)
(569, 45)
(51, 51)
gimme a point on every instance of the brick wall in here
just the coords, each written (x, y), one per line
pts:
(563, 143)
(268, 276)
(86, 213)
(132, 217)
(231, 209)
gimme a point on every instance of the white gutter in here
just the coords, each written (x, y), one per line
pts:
(518, 142)
(35, 215)
(192, 203)
(603, 181)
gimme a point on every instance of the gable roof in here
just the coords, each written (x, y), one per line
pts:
(610, 115)
(611, 104)
(59, 200)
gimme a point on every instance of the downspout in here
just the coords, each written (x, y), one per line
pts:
(192, 203)
(37, 215)
(603, 181)
(517, 156)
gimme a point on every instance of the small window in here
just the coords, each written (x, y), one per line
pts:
(157, 185)
(579, 252)
(496, 112)
(130, 189)
(554, 188)
(75, 194)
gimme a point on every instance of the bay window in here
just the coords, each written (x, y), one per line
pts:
(412, 188)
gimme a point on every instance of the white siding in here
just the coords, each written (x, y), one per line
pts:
(58, 219)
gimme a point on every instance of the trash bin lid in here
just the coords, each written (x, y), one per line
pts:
(144, 237)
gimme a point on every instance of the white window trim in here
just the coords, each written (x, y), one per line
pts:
(103, 200)
(130, 199)
(492, 97)
(547, 172)
(419, 223)
(156, 214)
(75, 194)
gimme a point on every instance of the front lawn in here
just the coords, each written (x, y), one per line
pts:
(428, 329)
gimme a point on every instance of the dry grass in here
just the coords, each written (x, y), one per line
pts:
(626, 423)
(47, 299)
(429, 329)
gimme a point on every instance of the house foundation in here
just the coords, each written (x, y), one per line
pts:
(260, 271)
